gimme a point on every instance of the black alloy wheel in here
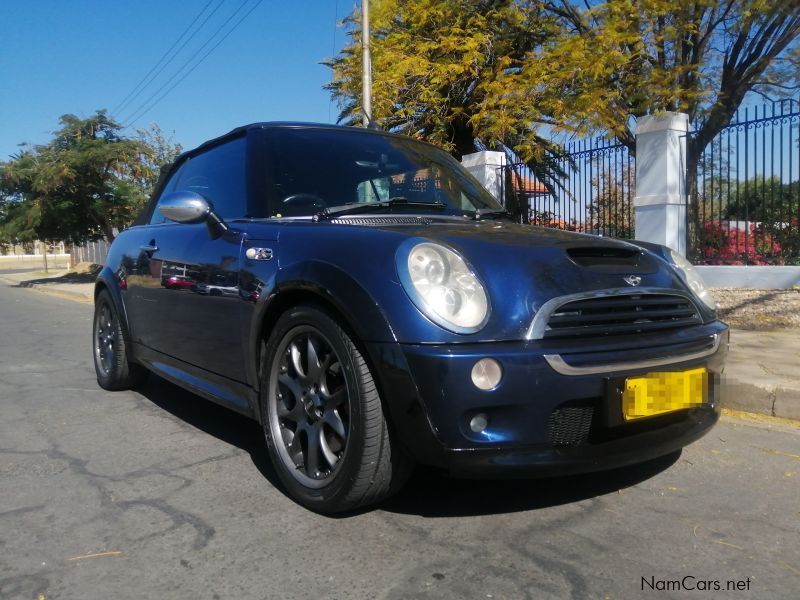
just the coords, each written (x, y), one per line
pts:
(105, 338)
(322, 415)
(112, 362)
(311, 406)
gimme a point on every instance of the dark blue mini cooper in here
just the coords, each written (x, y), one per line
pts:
(372, 306)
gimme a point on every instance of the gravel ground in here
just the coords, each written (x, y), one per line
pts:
(759, 309)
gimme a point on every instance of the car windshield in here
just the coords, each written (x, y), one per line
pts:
(314, 169)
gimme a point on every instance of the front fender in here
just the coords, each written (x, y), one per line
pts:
(107, 280)
(362, 312)
(330, 284)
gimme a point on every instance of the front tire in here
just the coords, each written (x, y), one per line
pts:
(322, 416)
(109, 348)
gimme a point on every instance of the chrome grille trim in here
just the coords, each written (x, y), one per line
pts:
(560, 366)
(539, 326)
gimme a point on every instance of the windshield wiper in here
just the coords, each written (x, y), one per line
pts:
(480, 213)
(335, 211)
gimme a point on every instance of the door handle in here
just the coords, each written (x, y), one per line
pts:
(149, 248)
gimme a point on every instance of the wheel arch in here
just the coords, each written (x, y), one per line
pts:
(328, 287)
(108, 282)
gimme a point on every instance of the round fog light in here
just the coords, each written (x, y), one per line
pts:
(479, 422)
(486, 374)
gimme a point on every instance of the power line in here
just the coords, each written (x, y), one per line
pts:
(133, 93)
(144, 108)
(157, 96)
(147, 80)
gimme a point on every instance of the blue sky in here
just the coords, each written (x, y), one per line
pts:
(76, 56)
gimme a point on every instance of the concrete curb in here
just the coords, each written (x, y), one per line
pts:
(763, 277)
(781, 401)
(61, 291)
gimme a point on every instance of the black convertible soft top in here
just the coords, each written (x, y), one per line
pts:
(167, 169)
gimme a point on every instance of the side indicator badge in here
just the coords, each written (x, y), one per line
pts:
(258, 253)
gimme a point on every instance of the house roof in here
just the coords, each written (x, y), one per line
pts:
(528, 185)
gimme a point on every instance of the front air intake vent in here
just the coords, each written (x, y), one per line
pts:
(621, 314)
(592, 255)
(613, 259)
(570, 425)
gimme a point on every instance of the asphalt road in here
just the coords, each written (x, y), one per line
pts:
(160, 494)
(9, 271)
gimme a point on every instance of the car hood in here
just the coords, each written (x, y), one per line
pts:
(522, 267)
(499, 233)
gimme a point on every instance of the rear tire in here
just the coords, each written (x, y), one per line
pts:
(323, 419)
(110, 350)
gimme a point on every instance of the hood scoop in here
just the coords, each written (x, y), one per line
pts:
(612, 259)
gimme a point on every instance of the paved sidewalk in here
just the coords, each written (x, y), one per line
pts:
(762, 374)
(78, 287)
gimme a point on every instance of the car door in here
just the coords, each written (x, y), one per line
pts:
(202, 322)
(147, 291)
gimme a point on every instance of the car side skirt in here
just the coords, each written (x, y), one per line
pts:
(216, 388)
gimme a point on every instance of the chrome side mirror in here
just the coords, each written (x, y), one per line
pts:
(185, 207)
(190, 207)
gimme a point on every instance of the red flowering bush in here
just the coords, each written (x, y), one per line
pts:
(722, 244)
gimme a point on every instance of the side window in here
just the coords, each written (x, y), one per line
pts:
(219, 176)
(157, 218)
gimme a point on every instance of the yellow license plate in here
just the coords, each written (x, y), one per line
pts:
(658, 393)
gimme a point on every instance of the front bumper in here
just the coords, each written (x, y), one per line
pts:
(646, 444)
(547, 416)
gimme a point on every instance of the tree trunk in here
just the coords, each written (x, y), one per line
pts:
(108, 231)
(463, 138)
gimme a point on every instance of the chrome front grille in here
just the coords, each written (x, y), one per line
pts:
(621, 314)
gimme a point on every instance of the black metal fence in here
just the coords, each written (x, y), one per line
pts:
(589, 188)
(746, 201)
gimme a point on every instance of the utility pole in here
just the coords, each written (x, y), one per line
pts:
(366, 65)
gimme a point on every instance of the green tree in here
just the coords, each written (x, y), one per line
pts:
(160, 152)
(15, 227)
(618, 60)
(431, 62)
(433, 65)
(752, 221)
(510, 72)
(87, 182)
(611, 209)
(615, 61)
(766, 200)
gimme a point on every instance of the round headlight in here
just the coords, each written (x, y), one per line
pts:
(693, 279)
(444, 288)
